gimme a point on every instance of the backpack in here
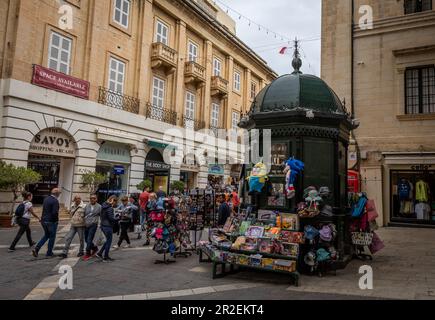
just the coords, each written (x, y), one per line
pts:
(19, 212)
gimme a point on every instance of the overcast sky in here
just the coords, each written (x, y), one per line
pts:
(290, 18)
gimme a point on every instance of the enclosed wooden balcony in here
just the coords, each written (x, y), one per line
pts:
(163, 57)
(219, 87)
(194, 74)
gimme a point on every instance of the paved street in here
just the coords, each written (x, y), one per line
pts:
(404, 270)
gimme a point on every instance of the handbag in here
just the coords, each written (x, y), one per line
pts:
(377, 244)
(362, 238)
(358, 209)
(372, 213)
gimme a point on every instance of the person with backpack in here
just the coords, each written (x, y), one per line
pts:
(78, 225)
(23, 214)
(126, 210)
(49, 221)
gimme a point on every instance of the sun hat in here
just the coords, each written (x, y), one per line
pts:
(311, 233)
(324, 191)
(327, 211)
(323, 255)
(326, 234)
(310, 259)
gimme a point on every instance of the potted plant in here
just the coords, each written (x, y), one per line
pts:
(91, 180)
(14, 179)
(177, 186)
(146, 183)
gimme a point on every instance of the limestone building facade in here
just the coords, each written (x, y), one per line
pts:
(384, 68)
(94, 84)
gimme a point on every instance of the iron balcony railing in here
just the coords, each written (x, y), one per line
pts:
(118, 100)
(161, 114)
(190, 123)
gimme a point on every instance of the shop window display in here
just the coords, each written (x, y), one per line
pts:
(412, 196)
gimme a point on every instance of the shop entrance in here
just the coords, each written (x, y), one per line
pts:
(157, 171)
(113, 161)
(51, 154)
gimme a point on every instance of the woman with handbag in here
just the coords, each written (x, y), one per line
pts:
(23, 221)
(78, 225)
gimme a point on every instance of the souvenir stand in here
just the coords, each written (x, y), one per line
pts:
(165, 233)
(308, 125)
(196, 215)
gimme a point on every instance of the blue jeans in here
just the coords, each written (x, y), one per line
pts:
(108, 232)
(143, 217)
(89, 238)
(50, 229)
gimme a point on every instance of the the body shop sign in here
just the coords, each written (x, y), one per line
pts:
(54, 80)
(53, 142)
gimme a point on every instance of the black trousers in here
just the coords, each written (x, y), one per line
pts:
(124, 233)
(24, 228)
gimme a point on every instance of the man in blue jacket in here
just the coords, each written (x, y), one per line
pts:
(49, 221)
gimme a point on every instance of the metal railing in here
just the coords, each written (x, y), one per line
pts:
(190, 123)
(161, 114)
(118, 101)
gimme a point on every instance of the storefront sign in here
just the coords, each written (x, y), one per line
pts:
(159, 145)
(421, 167)
(118, 170)
(54, 80)
(114, 152)
(216, 170)
(53, 142)
(154, 165)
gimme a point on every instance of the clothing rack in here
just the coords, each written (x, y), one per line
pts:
(165, 260)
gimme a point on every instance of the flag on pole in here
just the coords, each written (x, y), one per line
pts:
(284, 50)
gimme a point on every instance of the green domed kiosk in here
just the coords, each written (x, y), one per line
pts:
(307, 120)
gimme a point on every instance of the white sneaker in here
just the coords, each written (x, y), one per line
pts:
(115, 246)
(127, 246)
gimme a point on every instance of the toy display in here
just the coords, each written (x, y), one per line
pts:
(258, 177)
(255, 232)
(293, 168)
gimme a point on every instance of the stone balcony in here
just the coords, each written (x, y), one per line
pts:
(219, 87)
(194, 74)
(163, 57)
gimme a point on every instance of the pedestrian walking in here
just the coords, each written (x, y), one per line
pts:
(24, 213)
(78, 226)
(135, 212)
(126, 213)
(107, 222)
(92, 218)
(143, 201)
(49, 222)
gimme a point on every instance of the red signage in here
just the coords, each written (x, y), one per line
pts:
(61, 82)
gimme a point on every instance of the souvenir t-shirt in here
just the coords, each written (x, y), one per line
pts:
(404, 189)
(27, 206)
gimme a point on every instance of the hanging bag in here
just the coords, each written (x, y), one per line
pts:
(359, 208)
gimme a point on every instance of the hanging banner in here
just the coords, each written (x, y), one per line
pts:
(61, 82)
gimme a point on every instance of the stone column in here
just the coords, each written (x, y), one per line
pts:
(247, 96)
(145, 74)
(228, 104)
(179, 88)
(208, 64)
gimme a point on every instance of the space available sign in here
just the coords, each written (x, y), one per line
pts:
(54, 80)
(53, 142)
